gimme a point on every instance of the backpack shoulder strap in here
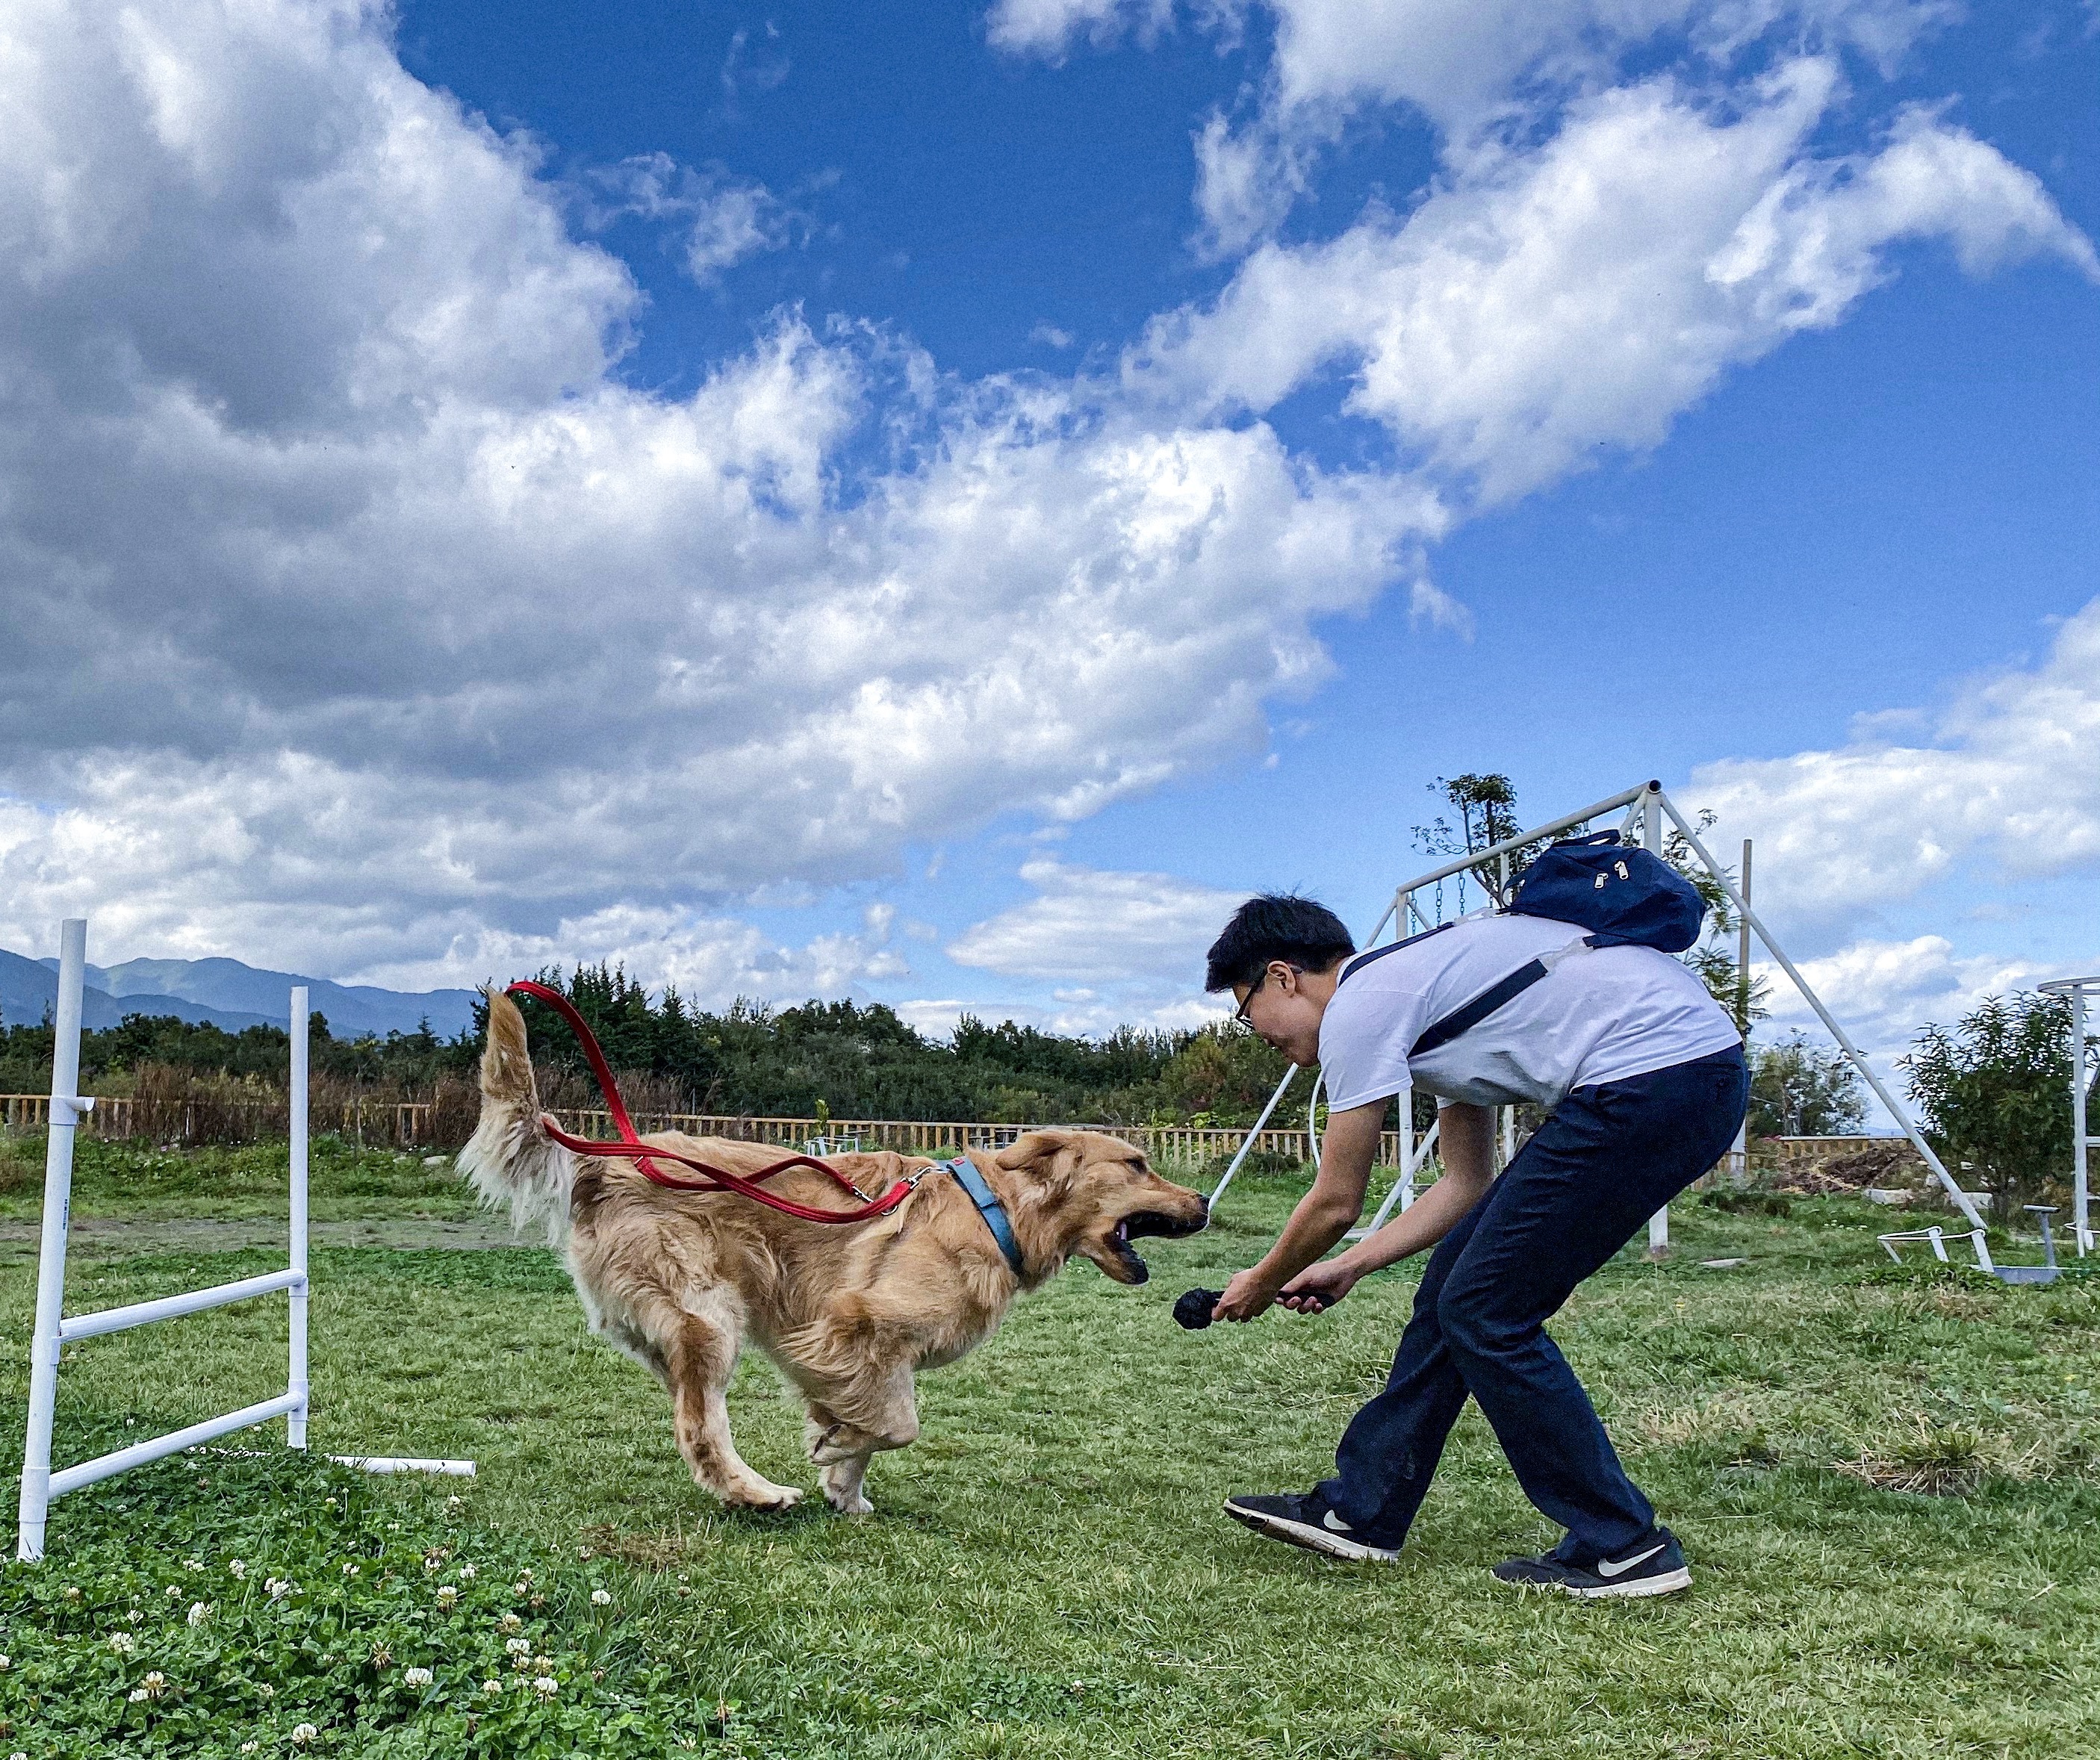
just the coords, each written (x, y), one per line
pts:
(1363, 959)
(1471, 1014)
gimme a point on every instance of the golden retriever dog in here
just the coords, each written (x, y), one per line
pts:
(849, 1313)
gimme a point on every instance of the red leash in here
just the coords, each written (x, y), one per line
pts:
(631, 1147)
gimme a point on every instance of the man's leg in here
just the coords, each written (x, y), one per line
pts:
(1383, 1463)
(1605, 1160)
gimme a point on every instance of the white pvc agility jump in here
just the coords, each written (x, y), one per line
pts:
(1647, 807)
(2085, 995)
(53, 1330)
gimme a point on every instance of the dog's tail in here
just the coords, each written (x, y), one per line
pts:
(510, 1160)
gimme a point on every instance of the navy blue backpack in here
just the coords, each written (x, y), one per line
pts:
(1622, 895)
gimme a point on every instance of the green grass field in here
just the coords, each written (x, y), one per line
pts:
(1887, 1488)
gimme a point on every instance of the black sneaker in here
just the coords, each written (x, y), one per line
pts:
(1304, 1520)
(1652, 1565)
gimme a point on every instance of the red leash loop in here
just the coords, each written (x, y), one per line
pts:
(631, 1148)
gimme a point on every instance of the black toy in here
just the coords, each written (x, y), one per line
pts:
(1194, 1310)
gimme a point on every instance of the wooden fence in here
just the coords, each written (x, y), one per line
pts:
(407, 1124)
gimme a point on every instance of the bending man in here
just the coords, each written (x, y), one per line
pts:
(1641, 1076)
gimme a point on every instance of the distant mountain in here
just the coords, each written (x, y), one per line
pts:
(29, 990)
(229, 994)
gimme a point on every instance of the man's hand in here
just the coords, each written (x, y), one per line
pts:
(1246, 1296)
(1318, 1287)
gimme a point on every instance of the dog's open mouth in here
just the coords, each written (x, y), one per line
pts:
(1144, 1222)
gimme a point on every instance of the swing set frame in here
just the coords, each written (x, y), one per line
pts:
(1650, 812)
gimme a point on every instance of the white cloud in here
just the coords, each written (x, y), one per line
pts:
(351, 597)
(1882, 992)
(711, 959)
(722, 218)
(1544, 303)
(1471, 67)
(1049, 28)
(352, 606)
(2011, 772)
(1099, 927)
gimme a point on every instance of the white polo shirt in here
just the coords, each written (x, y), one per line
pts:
(1600, 1015)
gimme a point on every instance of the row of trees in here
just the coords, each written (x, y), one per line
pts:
(849, 1060)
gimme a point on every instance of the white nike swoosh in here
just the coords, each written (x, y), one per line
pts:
(1335, 1523)
(1606, 1568)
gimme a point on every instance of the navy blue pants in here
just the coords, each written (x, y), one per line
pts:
(1606, 1159)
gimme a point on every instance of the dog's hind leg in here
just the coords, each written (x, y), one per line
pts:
(699, 1360)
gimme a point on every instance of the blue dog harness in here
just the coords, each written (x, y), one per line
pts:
(989, 1207)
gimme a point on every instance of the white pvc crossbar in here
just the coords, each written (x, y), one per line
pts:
(123, 1460)
(172, 1307)
(404, 1463)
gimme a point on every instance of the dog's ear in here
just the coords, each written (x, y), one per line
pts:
(1036, 1148)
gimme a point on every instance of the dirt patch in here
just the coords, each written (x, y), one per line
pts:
(1893, 1164)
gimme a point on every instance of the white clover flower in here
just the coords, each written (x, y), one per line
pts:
(237, 1569)
(416, 1677)
(454, 1504)
(447, 1596)
(521, 1588)
(5, 1664)
(546, 1686)
(153, 1686)
(200, 1612)
(303, 1733)
(123, 1642)
(71, 1593)
(351, 1570)
(250, 1745)
(266, 1689)
(137, 1617)
(278, 1587)
(525, 1576)
(18, 1755)
(542, 1663)
(491, 1688)
(393, 1528)
(174, 1591)
(517, 1646)
(600, 1598)
(432, 1560)
(193, 1564)
(329, 1503)
(512, 1623)
(468, 1573)
(137, 1694)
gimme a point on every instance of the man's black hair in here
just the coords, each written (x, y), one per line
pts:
(1276, 926)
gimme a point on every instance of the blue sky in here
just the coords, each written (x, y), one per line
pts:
(932, 504)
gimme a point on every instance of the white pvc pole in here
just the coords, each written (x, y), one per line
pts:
(44, 1343)
(1658, 1225)
(2081, 1190)
(1247, 1142)
(299, 1389)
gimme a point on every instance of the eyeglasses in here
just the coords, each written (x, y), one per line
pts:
(1240, 1014)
